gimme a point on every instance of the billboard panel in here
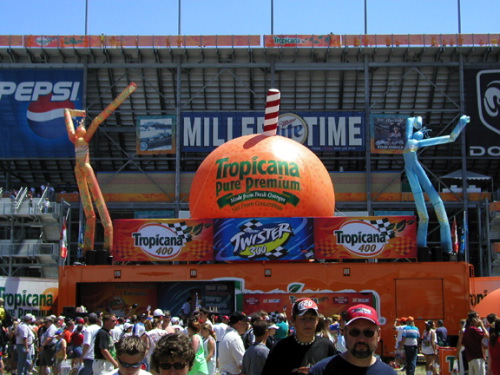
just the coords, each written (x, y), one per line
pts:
(319, 131)
(156, 135)
(482, 90)
(389, 237)
(142, 240)
(387, 134)
(24, 295)
(260, 239)
(31, 111)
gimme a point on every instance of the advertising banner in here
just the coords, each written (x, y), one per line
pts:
(23, 295)
(319, 131)
(31, 111)
(137, 240)
(482, 89)
(118, 298)
(328, 40)
(263, 239)
(328, 303)
(156, 135)
(365, 237)
(387, 134)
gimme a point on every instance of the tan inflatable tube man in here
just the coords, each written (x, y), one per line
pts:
(85, 176)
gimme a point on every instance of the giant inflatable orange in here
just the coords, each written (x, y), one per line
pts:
(262, 175)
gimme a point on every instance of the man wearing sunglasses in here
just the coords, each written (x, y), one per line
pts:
(173, 355)
(362, 335)
(130, 352)
(298, 352)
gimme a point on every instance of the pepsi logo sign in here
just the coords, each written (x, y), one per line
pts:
(46, 117)
(158, 241)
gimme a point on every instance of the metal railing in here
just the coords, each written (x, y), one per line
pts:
(28, 249)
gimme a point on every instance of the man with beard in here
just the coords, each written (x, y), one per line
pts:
(362, 334)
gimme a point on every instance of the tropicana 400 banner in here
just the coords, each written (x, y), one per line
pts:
(162, 240)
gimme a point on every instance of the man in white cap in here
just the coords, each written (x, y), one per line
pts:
(24, 340)
(296, 353)
(362, 335)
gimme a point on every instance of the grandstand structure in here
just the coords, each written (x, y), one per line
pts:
(203, 77)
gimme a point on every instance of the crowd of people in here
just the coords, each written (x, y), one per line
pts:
(477, 347)
(205, 343)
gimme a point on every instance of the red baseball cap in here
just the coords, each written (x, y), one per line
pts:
(362, 312)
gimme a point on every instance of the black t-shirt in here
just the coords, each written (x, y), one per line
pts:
(287, 355)
(339, 366)
(103, 340)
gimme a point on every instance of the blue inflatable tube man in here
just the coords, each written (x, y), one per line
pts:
(419, 182)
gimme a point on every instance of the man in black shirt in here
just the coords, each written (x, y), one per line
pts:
(298, 352)
(104, 347)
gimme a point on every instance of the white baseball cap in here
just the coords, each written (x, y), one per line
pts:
(158, 312)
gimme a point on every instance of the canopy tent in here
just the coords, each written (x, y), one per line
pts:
(468, 175)
(458, 175)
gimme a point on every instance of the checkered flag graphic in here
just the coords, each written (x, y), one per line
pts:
(277, 253)
(251, 226)
(383, 227)
(180, 230)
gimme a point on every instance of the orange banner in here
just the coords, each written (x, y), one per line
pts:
(329, 40)
(386, 237)
(99, 41)
(140, 240)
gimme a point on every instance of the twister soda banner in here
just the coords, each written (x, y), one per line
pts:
(121, 299)
(263, 239)
(365, 237)
(162, 240)
(31, 111)
(23, 295)
(328, 303)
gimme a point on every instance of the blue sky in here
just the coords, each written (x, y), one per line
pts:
(250, 17)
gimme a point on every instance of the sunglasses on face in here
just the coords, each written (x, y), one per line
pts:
(356, 332)
(130, 365)
(168, 366)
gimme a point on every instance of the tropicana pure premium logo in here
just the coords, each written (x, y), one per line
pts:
(257, 179)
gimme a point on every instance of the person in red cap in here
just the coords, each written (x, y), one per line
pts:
(295, 354)
(362, 335)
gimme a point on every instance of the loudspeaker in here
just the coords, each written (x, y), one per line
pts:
(101, 257)
(90, 257)
(423, 254)
(69, 311)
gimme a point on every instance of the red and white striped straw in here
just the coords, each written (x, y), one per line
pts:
(272, 111)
